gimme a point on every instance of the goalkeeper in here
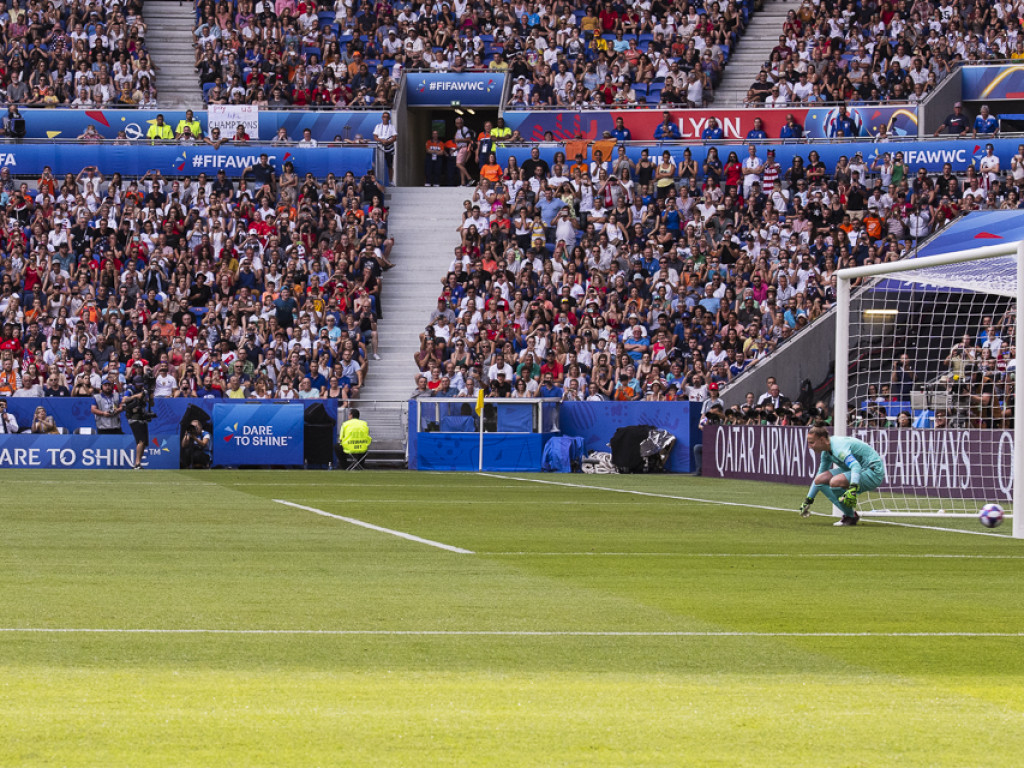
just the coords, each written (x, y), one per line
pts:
(848, 468)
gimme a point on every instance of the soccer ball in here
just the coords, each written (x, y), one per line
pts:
(991, 516)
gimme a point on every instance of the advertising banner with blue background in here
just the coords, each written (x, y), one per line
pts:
(1005, 81)
(30, 451)
(470, 89)
(257, 433)
(71, 123)
(171, 160)
(931, 155)
(72, 413)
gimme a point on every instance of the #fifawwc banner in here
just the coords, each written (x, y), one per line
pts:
(257, 434)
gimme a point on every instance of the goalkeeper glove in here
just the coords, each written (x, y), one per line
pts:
(850, 497)
(805, 508)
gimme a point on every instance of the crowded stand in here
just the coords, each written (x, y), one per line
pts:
(664, 280)
(263, 287)
(80, 54)
(346, 53)
(836, 51)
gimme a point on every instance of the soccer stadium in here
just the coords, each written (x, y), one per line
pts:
(507, 384)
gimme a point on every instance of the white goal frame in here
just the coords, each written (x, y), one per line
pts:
(842, 349)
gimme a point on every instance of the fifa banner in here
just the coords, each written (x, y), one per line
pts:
(257, 434)
(929, 462)
(442, 89)
(1001, 81)
(931, 155)
(327, 125)
(818, 123)
(28, 451)
(228, 117)
(172, 160)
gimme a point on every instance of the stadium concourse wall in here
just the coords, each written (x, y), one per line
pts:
(261, 124)
(928, 462)
(250, 433)
(29, 159)
(452, 443)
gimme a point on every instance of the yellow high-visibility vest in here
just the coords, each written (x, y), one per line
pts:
(355, 436)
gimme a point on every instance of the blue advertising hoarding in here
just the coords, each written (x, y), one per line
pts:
(28, 451)
(1000, 81)
(172, 160)
(931, 155)
(71, 123)
(257, 434)
(470, 89)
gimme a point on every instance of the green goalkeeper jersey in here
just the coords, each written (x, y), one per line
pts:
(853, 455)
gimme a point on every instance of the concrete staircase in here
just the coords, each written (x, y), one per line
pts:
(169, 41)
(752, 51)
(423, 221)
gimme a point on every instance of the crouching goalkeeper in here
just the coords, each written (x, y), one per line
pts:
(849, 467)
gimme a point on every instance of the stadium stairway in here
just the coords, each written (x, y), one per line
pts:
(423, 222)
(753, 50)
(169, 41)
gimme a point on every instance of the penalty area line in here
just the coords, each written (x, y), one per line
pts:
(492, 633)
(379, 529)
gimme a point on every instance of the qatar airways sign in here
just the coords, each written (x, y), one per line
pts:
(931, 462)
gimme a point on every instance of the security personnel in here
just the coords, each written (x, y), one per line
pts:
(193, 125)
(501, 132)
(160, 131)
(354, 439)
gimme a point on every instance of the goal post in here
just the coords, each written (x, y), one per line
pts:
(926, 360)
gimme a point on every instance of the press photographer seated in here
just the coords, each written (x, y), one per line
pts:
(195, 446)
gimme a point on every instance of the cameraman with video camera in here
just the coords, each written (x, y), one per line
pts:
(138, 407)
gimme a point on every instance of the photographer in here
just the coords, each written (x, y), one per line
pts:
(107, 408)
(195, 446)
(137, 405)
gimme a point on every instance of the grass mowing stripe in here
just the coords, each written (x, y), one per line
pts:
(719, 502)
(378, 528)
(485, 632)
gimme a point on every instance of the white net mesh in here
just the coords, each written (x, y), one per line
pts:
(931, 386)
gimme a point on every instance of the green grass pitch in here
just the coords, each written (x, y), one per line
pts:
(586, 627)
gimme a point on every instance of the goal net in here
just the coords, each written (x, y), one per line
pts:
(926, 373)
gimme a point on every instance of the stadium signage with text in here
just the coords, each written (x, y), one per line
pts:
(926, 461)
(471, 89)
(172, 160)
(254, 433)
(28, 451)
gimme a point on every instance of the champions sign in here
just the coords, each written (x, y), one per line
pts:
(930, 462)
(257, 433)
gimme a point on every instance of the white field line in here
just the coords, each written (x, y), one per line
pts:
(378, 528)
(490, 633)
(720, 503)
(755, 555)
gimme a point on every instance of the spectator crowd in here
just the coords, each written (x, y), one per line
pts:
(835, 51)
(81, 54)
(666, 279)
(263, 287)
(283, 52)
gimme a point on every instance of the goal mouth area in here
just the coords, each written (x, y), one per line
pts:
(929, 345)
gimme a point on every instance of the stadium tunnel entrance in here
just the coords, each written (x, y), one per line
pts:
(420, 121)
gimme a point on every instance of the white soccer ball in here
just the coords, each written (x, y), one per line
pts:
(991, 516)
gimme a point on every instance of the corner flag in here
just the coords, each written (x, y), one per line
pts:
(479, 402)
